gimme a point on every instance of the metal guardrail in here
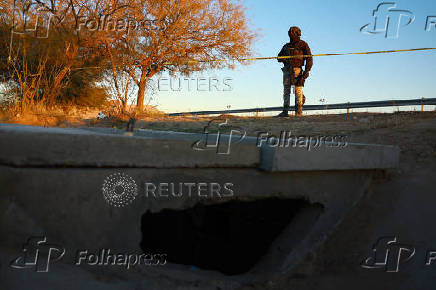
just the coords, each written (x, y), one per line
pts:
(390, 103)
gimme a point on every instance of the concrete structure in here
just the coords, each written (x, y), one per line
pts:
(52, 180)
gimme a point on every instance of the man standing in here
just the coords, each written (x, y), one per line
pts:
(293, 74)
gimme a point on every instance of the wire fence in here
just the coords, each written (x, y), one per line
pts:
(375, 104)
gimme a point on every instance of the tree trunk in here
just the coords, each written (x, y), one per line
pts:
(70, 54)
(141, 91)
(57, 84)
(145, 75)
(126, 94)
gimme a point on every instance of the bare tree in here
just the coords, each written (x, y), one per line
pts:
(187, 34)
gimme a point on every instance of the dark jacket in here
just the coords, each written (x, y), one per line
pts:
(298, 48)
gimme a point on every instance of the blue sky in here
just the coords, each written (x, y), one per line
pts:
(328, 27)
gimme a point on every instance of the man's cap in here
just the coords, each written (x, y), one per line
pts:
(294, 30)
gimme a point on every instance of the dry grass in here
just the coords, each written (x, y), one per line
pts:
(151, 118)
(307, 125)
(414, 132)
(73, 115)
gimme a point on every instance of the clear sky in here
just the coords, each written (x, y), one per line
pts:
(328, 27)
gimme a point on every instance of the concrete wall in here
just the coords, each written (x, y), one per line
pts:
(52, 179)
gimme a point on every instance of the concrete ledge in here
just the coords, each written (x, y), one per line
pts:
(328, 156)
(26, 146)
(351, 157)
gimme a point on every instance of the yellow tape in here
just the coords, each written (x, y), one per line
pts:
(285, 57)
(311, 55)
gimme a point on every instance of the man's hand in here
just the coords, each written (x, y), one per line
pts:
(302, 78)
(300, 82)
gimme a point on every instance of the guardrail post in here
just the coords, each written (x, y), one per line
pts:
(422, 104)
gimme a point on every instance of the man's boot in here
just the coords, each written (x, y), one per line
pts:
(284, 113)
(300, 99)
(299, 110)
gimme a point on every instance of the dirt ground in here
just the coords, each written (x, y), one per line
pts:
(413, 132)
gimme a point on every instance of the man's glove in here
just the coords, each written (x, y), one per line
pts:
(300, 82)
(302, 78)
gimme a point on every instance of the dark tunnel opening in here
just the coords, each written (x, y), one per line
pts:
(229, 237)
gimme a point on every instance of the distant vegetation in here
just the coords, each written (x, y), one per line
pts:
(73, 52)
